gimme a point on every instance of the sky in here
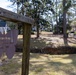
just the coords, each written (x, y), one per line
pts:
(6, 4)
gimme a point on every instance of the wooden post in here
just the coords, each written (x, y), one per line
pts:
(26, 49)
(27, 22)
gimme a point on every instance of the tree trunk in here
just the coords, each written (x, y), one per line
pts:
(56, 18)
(52, 25)
(37, 31)
(64, 24)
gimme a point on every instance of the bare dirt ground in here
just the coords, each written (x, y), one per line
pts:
(41, 64)
(47, 39)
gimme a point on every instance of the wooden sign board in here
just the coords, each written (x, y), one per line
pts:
(14, 17)
(27, 22)
(8, 42)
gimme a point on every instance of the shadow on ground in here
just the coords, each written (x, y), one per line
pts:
(41, 64)
(53, 65)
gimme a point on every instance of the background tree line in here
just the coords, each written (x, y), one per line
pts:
(56, 14)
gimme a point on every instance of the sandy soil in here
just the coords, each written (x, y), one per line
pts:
(47, 39)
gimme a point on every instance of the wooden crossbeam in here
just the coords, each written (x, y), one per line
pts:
(27, 23)
(14, 17)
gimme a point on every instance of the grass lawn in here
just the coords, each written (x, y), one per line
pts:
(40, 64)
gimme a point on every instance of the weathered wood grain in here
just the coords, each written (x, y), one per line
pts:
(26, 49)
(14, 17)
(27, 23)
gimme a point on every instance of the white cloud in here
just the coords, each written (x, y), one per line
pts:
(5, 4)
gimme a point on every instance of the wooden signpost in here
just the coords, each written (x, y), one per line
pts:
(27, 22)
(8, 40)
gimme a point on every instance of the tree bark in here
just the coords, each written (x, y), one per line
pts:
(64, 24)
(56, 18)
(37, 31)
